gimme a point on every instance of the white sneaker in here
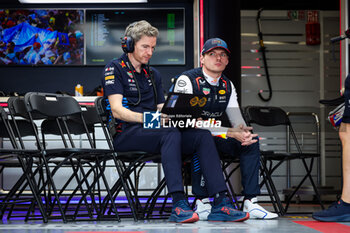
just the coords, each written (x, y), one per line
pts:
(203, 208)
(257, 211)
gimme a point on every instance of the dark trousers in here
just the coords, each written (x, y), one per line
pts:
(249, 157)
(172, 144)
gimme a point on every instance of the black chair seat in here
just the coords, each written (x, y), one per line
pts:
(271, 155)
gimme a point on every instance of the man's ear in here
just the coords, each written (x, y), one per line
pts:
(201, 59)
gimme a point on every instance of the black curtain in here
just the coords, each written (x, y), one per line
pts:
(222, 19)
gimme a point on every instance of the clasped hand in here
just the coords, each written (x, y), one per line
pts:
(164, 119)
(243, 134)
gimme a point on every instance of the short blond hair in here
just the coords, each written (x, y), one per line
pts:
(141, 28)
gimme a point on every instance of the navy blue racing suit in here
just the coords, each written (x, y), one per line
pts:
(220, 96)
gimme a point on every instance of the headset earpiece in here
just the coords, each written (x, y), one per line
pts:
(127, 44)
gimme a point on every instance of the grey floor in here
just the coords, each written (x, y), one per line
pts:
(291, 223)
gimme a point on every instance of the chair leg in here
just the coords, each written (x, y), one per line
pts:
(308, 175)
(227, 180)
(125, 187)
(84, 194)
(152, 200)
(275, 199)
(51, 182)
(164, 204)
(33, 187)
(318, 196)
(101, 172)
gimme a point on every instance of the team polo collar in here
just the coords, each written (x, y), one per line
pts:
(212, 81)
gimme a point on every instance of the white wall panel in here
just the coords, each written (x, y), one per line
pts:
(297, 81)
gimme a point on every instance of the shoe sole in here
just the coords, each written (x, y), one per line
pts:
(263, 218)
(342, 218)
(237, 220)
(193, 219)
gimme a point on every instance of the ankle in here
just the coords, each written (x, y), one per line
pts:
(178, 196)
(219, 197)
(345, 199)
(345, 202)
(249, 197)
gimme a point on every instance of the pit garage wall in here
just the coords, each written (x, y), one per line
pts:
(300, 75)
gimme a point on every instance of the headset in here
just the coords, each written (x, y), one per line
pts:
(150, 72)
(128, 41)
(127, 44)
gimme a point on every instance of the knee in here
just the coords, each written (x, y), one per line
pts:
(255, 146)
(204, 134)
(344, 132)
(344, 137)
(172, 135)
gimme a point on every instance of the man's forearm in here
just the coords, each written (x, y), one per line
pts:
(125, 114)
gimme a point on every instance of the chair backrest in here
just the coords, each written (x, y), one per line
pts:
(74, 124)
(51, 105)
(20, 122)
(100, 106)
(104, 115)
(5, 128)
(17, 107)
(266, 116)
(57, 111)
(270, 116)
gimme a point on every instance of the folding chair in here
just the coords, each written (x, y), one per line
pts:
(8, 159)
(129, 163)
(21, 128)
(268, 117)
(60, 109)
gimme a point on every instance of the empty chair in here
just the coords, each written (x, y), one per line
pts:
(17, 156)
(268, 117)
(57, 111)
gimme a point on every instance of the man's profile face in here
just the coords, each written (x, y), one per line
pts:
(144, 48)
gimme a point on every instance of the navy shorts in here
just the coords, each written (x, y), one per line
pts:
(346, 115)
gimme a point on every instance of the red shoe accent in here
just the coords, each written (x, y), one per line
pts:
(238, 220)
(225, 210)
(242, 219)
(194, 218)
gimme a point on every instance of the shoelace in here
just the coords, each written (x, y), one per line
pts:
(228, 203)
(183, 205)
(334, 205)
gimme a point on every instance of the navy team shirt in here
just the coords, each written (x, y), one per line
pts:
(117, 78)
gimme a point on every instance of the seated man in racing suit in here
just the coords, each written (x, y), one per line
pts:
(236, 140)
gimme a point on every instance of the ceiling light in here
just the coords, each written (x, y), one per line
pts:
(80, 1)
